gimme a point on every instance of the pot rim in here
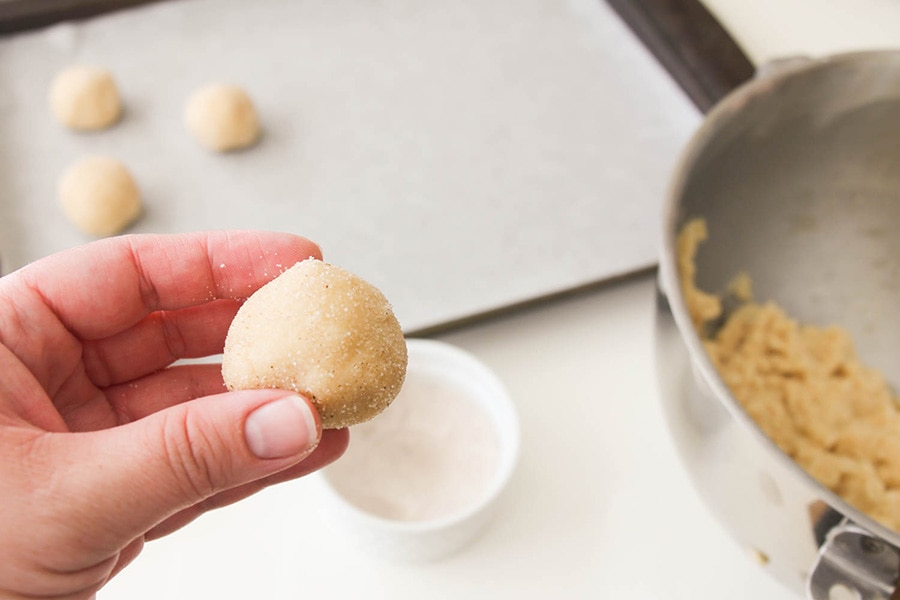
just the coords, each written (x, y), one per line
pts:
(670, 280)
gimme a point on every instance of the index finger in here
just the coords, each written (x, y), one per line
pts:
(103, 287)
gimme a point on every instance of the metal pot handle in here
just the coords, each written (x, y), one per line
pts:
(853, 564)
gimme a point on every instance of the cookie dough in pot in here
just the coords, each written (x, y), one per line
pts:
(795, 175)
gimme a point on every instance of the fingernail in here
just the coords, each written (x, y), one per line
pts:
(282, 428)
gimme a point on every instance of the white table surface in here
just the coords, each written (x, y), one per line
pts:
(599, 507)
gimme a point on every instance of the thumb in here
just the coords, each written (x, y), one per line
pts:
(132, 477)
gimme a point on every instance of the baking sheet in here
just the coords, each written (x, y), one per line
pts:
(462, 156)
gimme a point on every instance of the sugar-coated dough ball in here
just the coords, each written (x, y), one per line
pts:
(99, 196)
(324, 333)
(85, 98)
(222, 117)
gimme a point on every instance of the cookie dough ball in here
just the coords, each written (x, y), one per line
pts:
(85, 98)
(222, 117)
(99, 196)
(324, 333)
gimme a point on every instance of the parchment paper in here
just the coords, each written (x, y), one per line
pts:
(463, 156)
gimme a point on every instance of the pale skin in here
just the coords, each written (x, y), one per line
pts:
(104, 444)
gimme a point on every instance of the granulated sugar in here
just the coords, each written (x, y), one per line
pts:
(430, 454)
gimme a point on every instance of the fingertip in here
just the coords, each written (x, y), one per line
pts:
(315, 249)
(337, 438)
(333, 445)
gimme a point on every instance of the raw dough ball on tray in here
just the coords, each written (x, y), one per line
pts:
(85, 98)
(222, 117)
(324, 333)
(99, 196)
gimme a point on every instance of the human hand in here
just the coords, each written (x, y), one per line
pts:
(103, 442)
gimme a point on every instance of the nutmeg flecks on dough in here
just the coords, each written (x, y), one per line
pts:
(325, 333)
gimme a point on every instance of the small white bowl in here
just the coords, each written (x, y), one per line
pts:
(412, 539)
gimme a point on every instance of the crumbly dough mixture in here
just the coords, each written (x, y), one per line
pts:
(806, 389)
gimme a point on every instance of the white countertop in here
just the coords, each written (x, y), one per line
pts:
(600, 506)
(771, 29)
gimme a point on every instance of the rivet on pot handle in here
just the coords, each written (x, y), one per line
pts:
(854, 564)
(779, 65)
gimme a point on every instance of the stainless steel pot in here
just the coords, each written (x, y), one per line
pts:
(797, 174)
